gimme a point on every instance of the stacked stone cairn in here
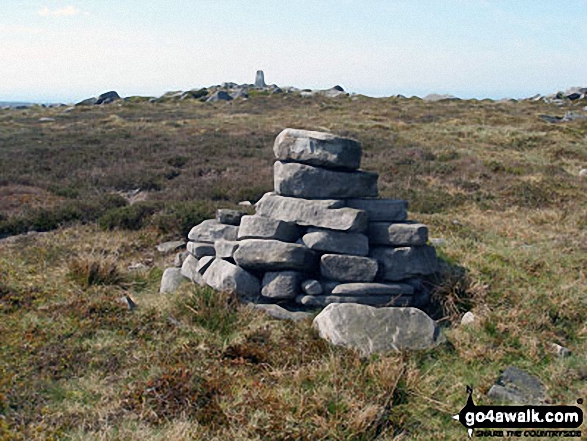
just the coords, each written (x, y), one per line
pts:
(321, 237)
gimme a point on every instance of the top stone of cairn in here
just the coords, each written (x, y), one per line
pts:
(318, 149)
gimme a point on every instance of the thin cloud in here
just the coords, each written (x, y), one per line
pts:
(68, 11)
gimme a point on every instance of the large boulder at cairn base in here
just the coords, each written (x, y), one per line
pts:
(306, 181)
(282, 284)
(375, 330)
(398, 234)
(225, 276)
(405, 262)
(262, 227)
(189, 269)
(273, 255)
(317, 148)
(336, 242)
(328, 213)
(211, 230)
(389, 210)
(171, 280)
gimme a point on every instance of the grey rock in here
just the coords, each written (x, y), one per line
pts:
(344, 268)
(46, 120)
(319, 213)
(378, 210)
(201, 249)
(517, 386)
(306, 181)
(167, 247)
(560, 351)
(282, 284)
(266, 228)
(405, 262)
(225, 276)
(373, 289)
(229, 217)
(239, 93)
(312, 287)
(245, 203)
(468, 319)
(107, 98)
(211, 230)
(395, 301)
(171, 280)
(220, 95)
(137, 267)
(203, 264)
(189, 269)
(281, 313)
(375, 330)
(397, 234)
(260, 79)
(225, 249)
(273, 255)
(87, 102)
(336, 242)
(180, 258)
(434, 97)
(318, 149)
(583, 173)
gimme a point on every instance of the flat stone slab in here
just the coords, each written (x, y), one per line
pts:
(281, 313)
(225, 249)
(167, 247)
(201, 249)
(171, 280)
(344, 268)
(328, 213)
(405, 262)
(398, 234)
(282, 284)
(306, 181)
(225, 276)
(517, 386)
(211, 230)
(189, 269)
(262, 227)
(389, 210)
(273, 255)
(336, 242)
(373, 289)
(229, 217)
(325, 300)
(376, 330)
(318, 149)
(312, 287)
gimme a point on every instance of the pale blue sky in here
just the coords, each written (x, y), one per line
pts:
(67, 50)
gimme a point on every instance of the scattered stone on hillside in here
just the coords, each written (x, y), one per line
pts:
(405, 262)
(583, 173)
(437, 241)
(260, 79)
(559, 350)
(381, 300)
(282, 284)
(211, 230)
(373, 289)
(434, 97)
(189, 269)
(381, 210)
(87, 102)
(281, 313)
(374, 330)
(568, 117)
(225, 276)
(107, 98)
(398, 234)
(312, 287)
(334, 92)
(225, 249)
(46, 120)
(245, 203)
(168, 247)
(468, 319)
(204, 263)
(273, 255)
(336, 242)
(261, 227)
(220, 95)
(518, 387)
(137, 267)
(317, 149)
(325, 213)
(201, 249)
(179, 258)
(239, 93)
(344, 268)
(306, 181)
(229, 217)
(171, 280)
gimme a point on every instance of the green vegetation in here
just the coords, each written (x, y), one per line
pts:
(497, 183)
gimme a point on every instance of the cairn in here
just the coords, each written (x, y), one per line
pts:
(323, 236)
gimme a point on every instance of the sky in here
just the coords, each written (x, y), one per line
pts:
(68, 50)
